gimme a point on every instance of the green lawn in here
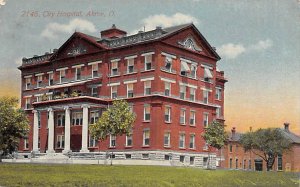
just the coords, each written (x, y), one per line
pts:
(99, 175)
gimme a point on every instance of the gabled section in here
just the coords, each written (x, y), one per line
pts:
(78, 44)
(189, 37)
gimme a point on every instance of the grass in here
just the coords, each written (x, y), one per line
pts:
(99, 175)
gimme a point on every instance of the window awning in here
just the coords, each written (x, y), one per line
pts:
(66, 85)
(207, 73)
(185, 66)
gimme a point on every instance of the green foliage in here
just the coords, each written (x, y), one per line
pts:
(266, 143)
(116, 120)
(215, 135)
(13, 124)
(99, 175)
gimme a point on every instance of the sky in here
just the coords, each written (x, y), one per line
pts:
(258, 41)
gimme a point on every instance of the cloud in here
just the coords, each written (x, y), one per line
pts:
(262, 45)
(18, 61)
(2, 3)
(163, 20)
(232, 51)
(52, 30)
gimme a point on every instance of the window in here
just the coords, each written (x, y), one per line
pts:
(129, 140)
(147, 113)
(130, 65)
(26, 143)
(146, 137)
(62, 75)
(244, 164)
(168, 64)
(114, 92)
(236, 163)
(182, 116)
(205, 119)
(28, 83)
(39, 142)
(205, 96)
(207, 74)
(112, 141)
(230, 163)
(193, 71)
(50, 78)
(39, 119)
(181, 158)
(192, 118)
(147, 87)
(78, 73)
(192, 160)
(114, 68)
(93, 142)
(94, 92)
(95, 70)
(76, 118)
(167, 138)
(218, 95)
(60, 141)
(145, 156)
(230, 148)
(205, 161)
(192, 94)
(168, 114)
(128, 156)
(129, 90)
(249, 164)
(148, 62)
(184, 68)
(60, 120)
(39, 81)
(27, 103)
(182, 92)
(182, 140)
(94, 116)
(192, 141)
(218, 112)
(167, 88)
(279, 162)
(168, 157)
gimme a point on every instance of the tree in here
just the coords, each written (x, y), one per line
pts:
(13, 125)
(116, 120)
(215, 135)
(266, 143)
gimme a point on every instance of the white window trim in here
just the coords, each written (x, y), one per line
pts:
(169, 139)
(206, 66)
(206, 89)
(144, 136)
(114, 84)
(168, 80)
(130, 57)
(147, 79)
(61, 69)
(126, 144)
(130, 82)
(110, 140)
(168, 55)
(78, 66)
(115, 60)
(148, 53)
(188, 85)
(27, 76)
(96, 62)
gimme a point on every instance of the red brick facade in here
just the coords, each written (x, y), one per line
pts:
(237, 158)
(157, 65)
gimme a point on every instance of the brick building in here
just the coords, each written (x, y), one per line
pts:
(237, 158)
(168, 75)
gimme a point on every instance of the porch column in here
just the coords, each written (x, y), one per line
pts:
(85, 121)
(35, 146)
(67, 130)
(50, 131)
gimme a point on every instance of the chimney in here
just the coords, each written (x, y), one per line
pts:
(113, 32)
(233, 132)
(286, 127)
